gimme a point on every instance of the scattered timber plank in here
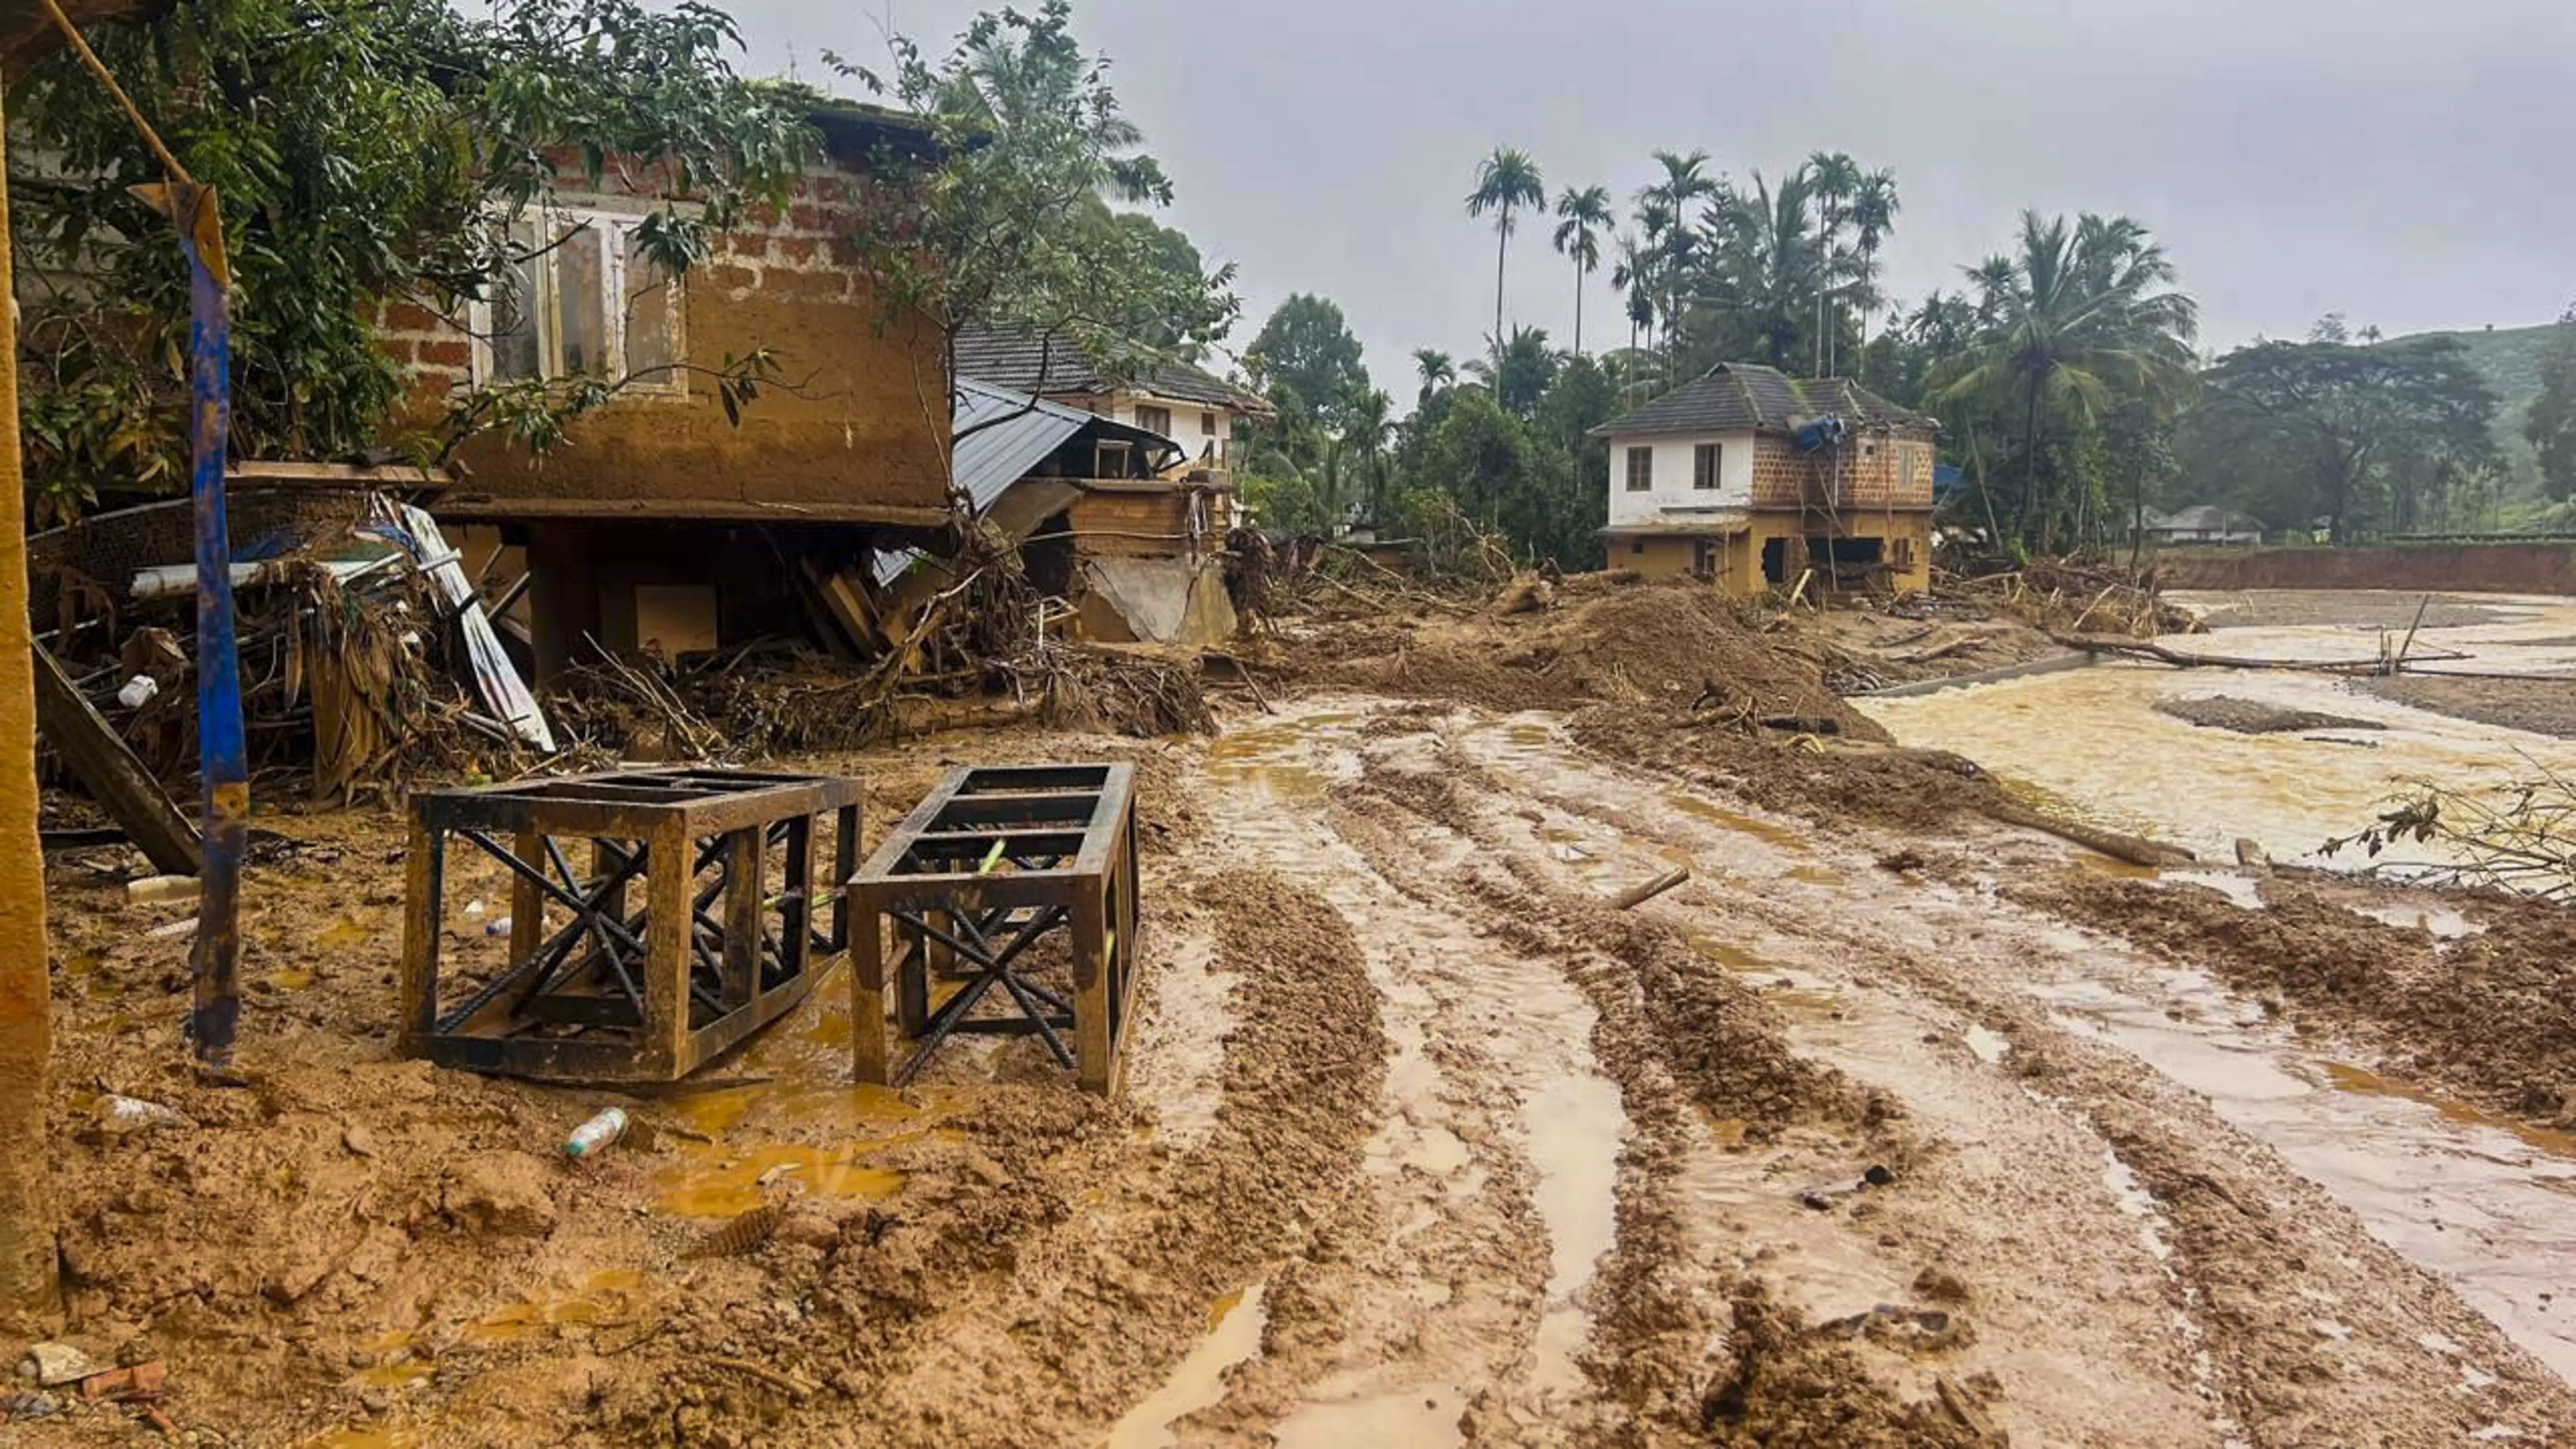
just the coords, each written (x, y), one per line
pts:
(111, 773)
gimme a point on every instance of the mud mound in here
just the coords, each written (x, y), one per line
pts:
(1791, 1386)
(1908, 789)
(2252, 717)
(1656, 645)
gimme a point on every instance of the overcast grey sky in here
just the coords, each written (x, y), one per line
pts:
(2411, 165)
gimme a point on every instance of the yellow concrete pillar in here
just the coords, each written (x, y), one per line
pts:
(26, 1006)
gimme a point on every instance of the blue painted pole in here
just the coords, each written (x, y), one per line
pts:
(223, 759)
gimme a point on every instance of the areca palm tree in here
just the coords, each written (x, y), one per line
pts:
(2087, 312)
(1582, 217)
(1663, 211)
(1873, 216)
(1505, 180)
(1436, 370)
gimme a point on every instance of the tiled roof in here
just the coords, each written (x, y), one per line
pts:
(1028, 361)
(1742, 396)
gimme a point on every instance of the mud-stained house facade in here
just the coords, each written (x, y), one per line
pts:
(664, 524)
(1751, 479)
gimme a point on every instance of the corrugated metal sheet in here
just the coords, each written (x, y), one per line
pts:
(994, 457)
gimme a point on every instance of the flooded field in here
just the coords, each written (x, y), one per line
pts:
(2092, 740)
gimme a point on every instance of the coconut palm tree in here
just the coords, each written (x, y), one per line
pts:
(1628, 276)
(2087, 314)
(1770, 264)
(1365, 425)
(1583, 215)
(1517, 371)
(1505, 180)
(1436, 370)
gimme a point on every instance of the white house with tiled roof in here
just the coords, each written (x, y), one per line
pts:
(1194, 408)
(1751, 479)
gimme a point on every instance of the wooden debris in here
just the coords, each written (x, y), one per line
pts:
(786, 1383)
(1637, 895)
(111, 773)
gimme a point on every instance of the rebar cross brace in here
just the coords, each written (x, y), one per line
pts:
(591, 991)
(996, 859)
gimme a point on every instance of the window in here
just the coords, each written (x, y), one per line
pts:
(1704, 558)
(1636, 547)
(1641, 469)
(1704, 467)
(1155, 420)
(583, 298)
(1207, 425)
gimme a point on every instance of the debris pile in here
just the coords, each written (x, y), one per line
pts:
(2078, 595)
(365, 658)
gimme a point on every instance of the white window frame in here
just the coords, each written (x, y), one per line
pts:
(614, 225)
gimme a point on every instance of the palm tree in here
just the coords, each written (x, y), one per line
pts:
(1365, 426)
(1771, 265)
(2085, 312)
(1662, 211)
(1436, 370)
(1583, 215)
(1836, 181)
(1517, 371)
(1873, 216)
(1504, 180)
(1628, 277)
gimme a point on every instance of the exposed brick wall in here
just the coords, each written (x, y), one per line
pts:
(861, 427)
(1870, 470)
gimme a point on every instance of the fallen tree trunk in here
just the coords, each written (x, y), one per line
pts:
(2149, 649)
(2134, 849)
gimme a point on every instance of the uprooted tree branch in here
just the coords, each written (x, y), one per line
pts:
(2519, 836)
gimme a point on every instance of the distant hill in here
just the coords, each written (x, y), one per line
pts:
(2510, 359)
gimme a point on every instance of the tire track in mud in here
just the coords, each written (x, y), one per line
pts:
(1429, 1306)
(2305, 1327)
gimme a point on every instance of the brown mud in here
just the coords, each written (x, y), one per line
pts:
(2541, 706)
(1883, 1129)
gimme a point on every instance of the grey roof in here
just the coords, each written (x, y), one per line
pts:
(1001, 435)
(1744, 396)
(1023, 358)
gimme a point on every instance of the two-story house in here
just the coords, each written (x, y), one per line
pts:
(1751, 479)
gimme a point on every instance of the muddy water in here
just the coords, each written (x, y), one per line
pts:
(2484, 1203)
(2481, 1202)
(2090, 739)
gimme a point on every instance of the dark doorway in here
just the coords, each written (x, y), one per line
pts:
(1775, 560)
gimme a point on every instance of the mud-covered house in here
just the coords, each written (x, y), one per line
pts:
(1752, 479)
(667, 524)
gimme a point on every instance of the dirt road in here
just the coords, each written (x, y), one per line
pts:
(1854, 1139)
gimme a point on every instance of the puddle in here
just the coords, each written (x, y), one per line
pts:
(1576, 1127)
(2441, 922)
(2480, 1202)
(1701, 808)
(1988, 1045)
(1235, 1324)
(727, 1181)
(1413, 1418)
(2242, 890)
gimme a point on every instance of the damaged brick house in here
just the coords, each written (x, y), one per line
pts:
(664, 523)
(1749, 478)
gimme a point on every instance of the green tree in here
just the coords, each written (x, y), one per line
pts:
(2086, 315)
(1307, 344)
(1505, 180)
(1672, 245)
(363, 151)
(1769, 266)
(2343, 420)
(1518, 372)
(1583, 216)
(2552, 424)
(1004, 222)
(1436, 371)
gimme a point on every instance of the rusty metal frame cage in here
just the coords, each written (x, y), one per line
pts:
(994, 860)
(593, 991)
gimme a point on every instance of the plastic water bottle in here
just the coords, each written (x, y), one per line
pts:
(592, 1137)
